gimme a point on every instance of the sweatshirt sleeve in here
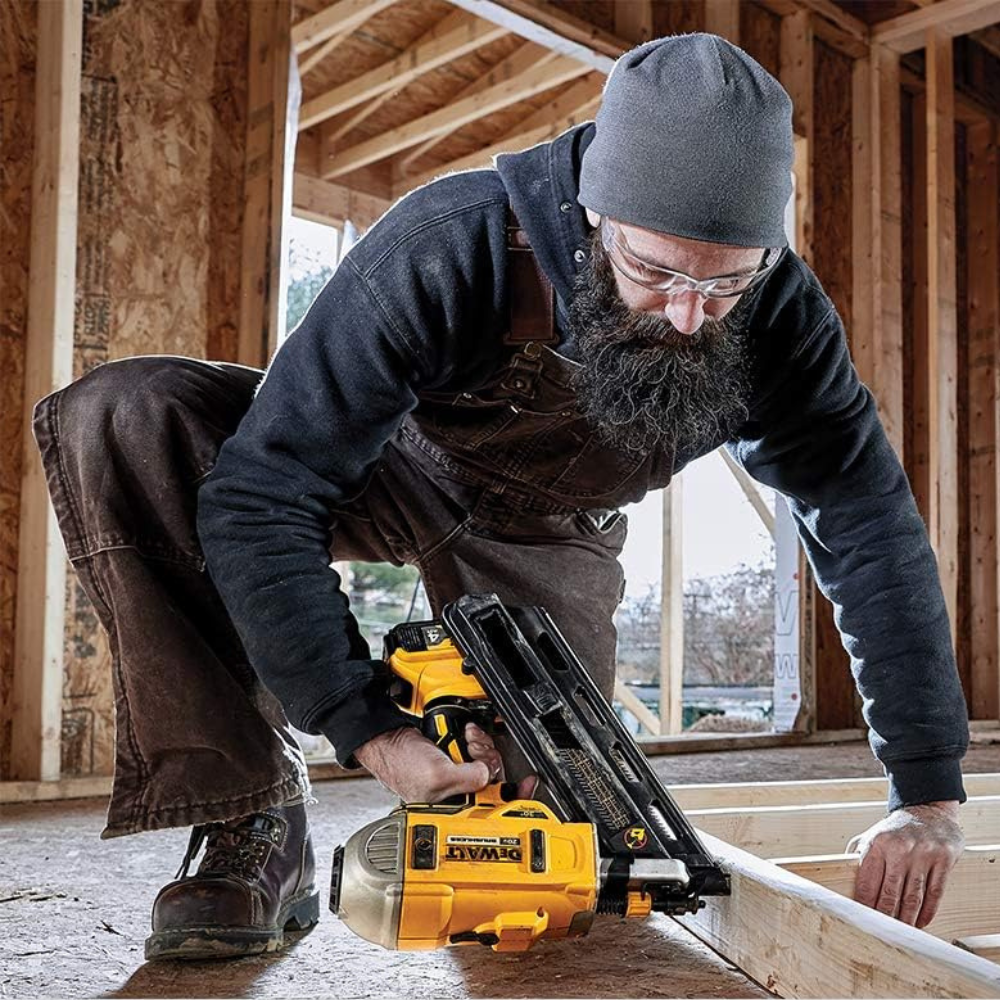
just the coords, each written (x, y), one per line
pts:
(814, 435)
(387, 323)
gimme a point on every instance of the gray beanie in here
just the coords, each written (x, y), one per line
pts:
(694, 138)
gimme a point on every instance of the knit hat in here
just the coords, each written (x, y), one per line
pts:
(694, 138)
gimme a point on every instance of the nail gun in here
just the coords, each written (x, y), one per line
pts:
(494, 869)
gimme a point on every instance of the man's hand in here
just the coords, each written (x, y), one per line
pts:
(410, 765)
(905, 861)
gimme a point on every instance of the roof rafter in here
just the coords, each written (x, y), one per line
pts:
(454, 116)
(345, 15)
(908, 32)
(457, 36)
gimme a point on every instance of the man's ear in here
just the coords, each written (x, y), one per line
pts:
(593, 218)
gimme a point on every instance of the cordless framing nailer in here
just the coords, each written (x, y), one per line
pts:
(493, 869)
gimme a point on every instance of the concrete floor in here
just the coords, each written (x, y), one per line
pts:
(74, 912)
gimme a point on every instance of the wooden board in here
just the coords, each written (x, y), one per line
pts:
(737, 795)
(795, 831)
(798, 939)
(18, 41)
(971, 903)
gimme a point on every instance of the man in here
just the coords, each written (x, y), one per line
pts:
(505, 359)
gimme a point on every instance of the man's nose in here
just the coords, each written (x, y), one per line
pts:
(686, 311)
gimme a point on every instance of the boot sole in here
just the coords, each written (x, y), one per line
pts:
(297, 917)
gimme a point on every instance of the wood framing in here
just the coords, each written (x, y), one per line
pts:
(947, 18)
(942, 318)
(672, 610)
(722, 17)
(457, 37)
(970, 903)
(787, 831)
(750, 490)
(261, 317)
(742, 795)
(338, 18)
(41, 588)
(454, 116)
(984, 435)
(798, 939)
(634, 20)
(334, 204)
(553, 28)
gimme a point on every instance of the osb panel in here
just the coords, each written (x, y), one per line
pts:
(760, 35)
(163, 122)
(909, 250)
(17, 117)
(677, 17)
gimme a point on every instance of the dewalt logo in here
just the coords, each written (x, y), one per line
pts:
(462, 848)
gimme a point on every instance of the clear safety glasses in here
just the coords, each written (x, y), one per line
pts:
(667, 281)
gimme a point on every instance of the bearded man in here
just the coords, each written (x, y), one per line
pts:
(505, 359)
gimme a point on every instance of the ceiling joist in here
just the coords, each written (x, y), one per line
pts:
(345, 15)
(452, 117)
(908, 32)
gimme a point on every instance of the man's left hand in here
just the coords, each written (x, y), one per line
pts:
(905, 861)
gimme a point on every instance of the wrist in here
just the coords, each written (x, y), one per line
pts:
(947, 806)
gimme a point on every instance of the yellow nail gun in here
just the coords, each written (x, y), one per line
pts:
(491, 868)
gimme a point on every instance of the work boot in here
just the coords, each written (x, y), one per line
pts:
(253, 887)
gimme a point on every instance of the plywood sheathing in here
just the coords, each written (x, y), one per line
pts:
(760, 35)
(18, 27)
(162, 157)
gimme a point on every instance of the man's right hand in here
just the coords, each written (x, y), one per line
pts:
(410, 765)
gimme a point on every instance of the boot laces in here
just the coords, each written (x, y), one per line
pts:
(239, 847)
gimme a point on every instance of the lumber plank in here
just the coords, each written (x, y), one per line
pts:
(518, 62)
(555, 29)
(971, 903)
(637, 707)
(36, 692)
(672, 609)
(798, 939)
(984, 435)
(459, 36)
(750, 490)
(334, 204)
(722, 17)
(736, 795)
(792, 831)
(942, 298)
(454, 116)
(907, 32)
(634, 20)
(984, 945)
(344, 16)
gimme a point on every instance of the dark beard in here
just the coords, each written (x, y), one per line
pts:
(643, 385)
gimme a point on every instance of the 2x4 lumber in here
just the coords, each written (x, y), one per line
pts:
(942, 317)
(984, 435)
(457, 37)
(320, 53)
(346, 15)
(41, 581)
(672, 609)
(798, 939)
(791, 831)
(553, 28)
(578, 104)
(970, 901)
(750, 490)
(984, 945)
(737, 795)
(454, 116)
(637, 707)
(797, 76)
(334, 204)
(908, 32)
(522, 59)
(264, 183)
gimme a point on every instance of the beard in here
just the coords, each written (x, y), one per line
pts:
(641, 384)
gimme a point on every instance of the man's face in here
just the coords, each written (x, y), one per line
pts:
(661, 368)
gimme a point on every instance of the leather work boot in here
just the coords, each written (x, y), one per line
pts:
(253, 886)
